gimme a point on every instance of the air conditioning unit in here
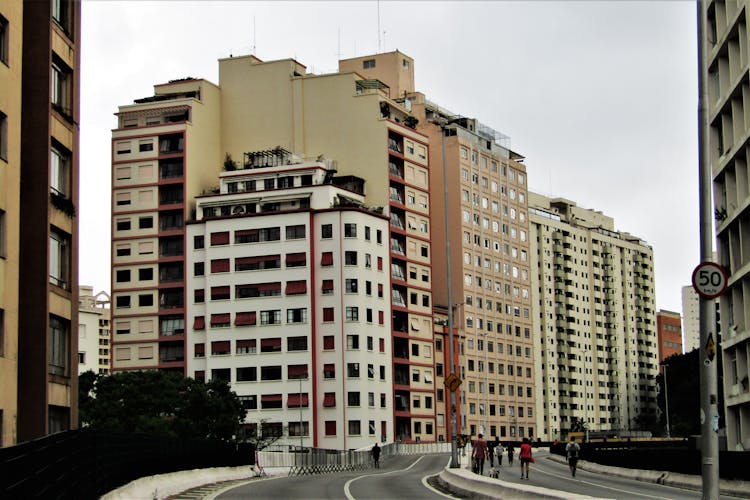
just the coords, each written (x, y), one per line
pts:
(238, 210)
(735, 390)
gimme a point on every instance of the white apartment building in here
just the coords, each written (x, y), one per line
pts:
(726, 66)
(690, 319)
(93, 331)
(596, 321)
(287, 298)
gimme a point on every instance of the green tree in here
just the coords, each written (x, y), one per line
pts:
(683, 389)
(160, 403)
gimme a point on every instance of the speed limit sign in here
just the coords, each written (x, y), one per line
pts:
(709, 280)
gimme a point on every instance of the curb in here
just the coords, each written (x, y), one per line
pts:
(739, 489)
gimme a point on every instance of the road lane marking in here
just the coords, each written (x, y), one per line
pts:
(601, 485)
(349, 482)
(429, 486)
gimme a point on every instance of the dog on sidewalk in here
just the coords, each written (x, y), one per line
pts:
(494, 473)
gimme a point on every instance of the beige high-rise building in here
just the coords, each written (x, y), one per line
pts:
(726, 64)
(170, 147)
(488, 231)
(39, 112)
(93, 331)
(597, 320)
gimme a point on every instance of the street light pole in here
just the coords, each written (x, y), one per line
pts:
(708, 375)
(666, 399)
(454, 429)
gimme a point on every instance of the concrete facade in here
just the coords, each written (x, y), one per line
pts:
(262, 106)
(690, 319)
(93, 331)
(287, 302)
(39, 112)
(597, 320)
(726, 66)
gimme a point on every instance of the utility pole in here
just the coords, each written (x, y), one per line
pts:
(709, 415)
(442, 123)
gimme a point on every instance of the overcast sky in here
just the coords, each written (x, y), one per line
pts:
(600, 97)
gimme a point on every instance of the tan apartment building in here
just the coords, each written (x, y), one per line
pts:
(39, 112)
(488, 232)
(726, 66)
(260, 106)
(11, 37)
(596, 323)
(165, 151)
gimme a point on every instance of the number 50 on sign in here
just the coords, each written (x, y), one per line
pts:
(709, 280)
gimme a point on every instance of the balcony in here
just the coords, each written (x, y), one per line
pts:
(170, 169)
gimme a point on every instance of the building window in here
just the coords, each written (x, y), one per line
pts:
(2, 335)
(59, 345)
(350, 230)
(352, 398)
(368, 64)
(296, 315)
(351, 286)
(355, 427)
(352, 370)
(2, 233)
(3, 132)
(331, 427)
(352, 313)
(270, 317)
(352, 341)
(350, 258)
(326, 231)
(62, 13)
(4, 40)
(295, 232)
(62, 87)
(59, 258)
(59, 170)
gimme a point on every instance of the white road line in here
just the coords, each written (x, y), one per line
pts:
(429, 487)
(602, 485)
(349, 482)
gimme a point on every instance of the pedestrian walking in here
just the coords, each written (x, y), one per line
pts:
(491, 445)
(525, 456)
(499, 450)
(510, 453)
(376, 455)
(573, 449)
(479, 454)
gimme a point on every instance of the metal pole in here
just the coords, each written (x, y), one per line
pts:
(666, 399)
(708, 379)
(454, 429)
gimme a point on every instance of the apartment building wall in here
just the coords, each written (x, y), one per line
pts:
(669, 332)
(48, 287)
(690, 319)
(11, 32)
(726, 64)
(93, 331)
(165, 151)
(597, 322)
(488, 232)
(362, 130)
(307, 332)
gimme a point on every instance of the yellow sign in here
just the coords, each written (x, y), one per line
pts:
(710, 347)
(452, 382)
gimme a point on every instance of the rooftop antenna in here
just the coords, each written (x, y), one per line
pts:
(378, 26)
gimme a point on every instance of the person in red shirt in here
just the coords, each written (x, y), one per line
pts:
(479, 454)
(525, 456)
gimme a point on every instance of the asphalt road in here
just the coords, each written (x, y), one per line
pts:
(398, 477)
(406, 477)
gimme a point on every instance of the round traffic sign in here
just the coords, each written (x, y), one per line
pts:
(709, 280)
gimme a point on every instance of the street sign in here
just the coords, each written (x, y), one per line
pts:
(710, 347)
(452, 382)
(709, 280)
